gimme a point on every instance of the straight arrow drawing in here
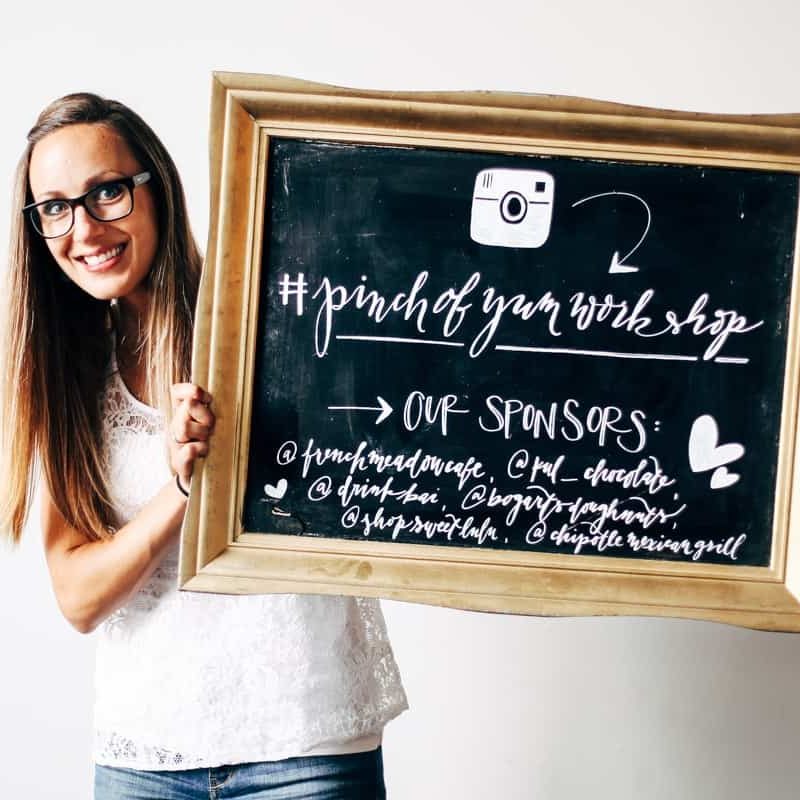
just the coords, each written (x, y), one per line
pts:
(383, 407)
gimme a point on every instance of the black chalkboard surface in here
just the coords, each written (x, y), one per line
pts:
(524, 352)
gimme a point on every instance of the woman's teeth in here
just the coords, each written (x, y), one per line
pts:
(101, 258)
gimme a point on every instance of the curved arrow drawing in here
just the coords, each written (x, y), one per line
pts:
(383, 407)
(618, 264)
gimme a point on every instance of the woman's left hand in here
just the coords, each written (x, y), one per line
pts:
(192, 424)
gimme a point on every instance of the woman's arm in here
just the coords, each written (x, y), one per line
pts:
(92, 579)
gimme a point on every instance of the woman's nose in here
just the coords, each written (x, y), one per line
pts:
(85, 226)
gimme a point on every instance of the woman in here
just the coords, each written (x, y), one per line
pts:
(197, 696)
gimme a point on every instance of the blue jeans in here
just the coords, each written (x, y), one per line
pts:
(356, 776)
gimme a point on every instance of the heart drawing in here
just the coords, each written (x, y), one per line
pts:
(706, 454)
(276, 493)
(722, 479)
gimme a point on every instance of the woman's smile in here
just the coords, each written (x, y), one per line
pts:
(102, 260)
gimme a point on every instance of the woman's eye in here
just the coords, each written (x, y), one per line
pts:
(54, 208)
(108, 192)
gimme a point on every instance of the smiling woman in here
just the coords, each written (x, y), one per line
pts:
(61, 329)
(103, 280)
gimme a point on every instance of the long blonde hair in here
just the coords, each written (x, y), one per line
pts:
(57, 341)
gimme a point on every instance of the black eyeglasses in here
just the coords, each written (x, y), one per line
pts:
(106, 202)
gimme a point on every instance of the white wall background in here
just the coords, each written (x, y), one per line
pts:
(502, 707)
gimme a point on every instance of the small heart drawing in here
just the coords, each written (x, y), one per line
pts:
(276, 493)
(722, 479)
(704, 454)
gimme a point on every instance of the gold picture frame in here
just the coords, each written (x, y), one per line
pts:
(218, 555)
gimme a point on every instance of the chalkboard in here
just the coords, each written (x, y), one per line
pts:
(512, 353)
(522, 352)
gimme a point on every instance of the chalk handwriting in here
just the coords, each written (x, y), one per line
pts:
(438, 319)
(537, 503)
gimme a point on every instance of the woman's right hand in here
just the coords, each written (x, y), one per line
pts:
(191, 425)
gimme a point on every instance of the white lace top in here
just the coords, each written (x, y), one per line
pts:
(189, 680)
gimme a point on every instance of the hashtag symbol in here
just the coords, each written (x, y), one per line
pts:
(293, 288)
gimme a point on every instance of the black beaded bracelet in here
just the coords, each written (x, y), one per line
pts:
(180, 486)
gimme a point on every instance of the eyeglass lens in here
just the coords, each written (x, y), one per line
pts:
(106, 202)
